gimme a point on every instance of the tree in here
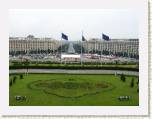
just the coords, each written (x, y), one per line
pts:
(30, 36)
(14, 79)
(137, 82)
(10, 83)
(21, 76)
(122, 77)
(132, 83)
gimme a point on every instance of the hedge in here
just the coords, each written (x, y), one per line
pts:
(74, 67)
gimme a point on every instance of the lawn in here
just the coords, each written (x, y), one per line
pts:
(72, 90)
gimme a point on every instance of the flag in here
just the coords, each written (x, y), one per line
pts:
(83, 38)
(65, 37)
(105, 37)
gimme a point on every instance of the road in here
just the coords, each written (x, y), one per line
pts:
(74, 71)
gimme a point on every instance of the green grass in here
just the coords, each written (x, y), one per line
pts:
(33, 86)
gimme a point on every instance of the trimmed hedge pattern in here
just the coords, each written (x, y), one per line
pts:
(75, 67)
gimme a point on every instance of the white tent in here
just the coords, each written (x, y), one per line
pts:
(70, 57)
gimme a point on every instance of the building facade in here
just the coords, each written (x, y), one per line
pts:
(125, 47)
(114, 46)
(32, 44)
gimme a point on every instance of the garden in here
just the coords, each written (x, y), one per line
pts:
(73, 90)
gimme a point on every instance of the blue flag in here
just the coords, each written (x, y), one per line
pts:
(65, 37)
(105, 37)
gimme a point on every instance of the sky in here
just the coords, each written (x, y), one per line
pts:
(116, 23)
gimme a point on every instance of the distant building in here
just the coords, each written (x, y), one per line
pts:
(114, 46)
(120, 47)
(31, 43)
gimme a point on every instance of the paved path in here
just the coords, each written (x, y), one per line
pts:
(74, 71)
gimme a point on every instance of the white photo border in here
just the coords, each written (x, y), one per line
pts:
(141, 110)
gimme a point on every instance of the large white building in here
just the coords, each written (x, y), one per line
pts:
(114, 46)
(31, 43)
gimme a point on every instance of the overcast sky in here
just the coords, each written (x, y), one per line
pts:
(51, 23)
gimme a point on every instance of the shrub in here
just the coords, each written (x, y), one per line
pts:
(10, 83)
(122, 77)
(132, 83)
(21, 76)
(58, 66)
(14, 79)
(137, 82)
(71, 79)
